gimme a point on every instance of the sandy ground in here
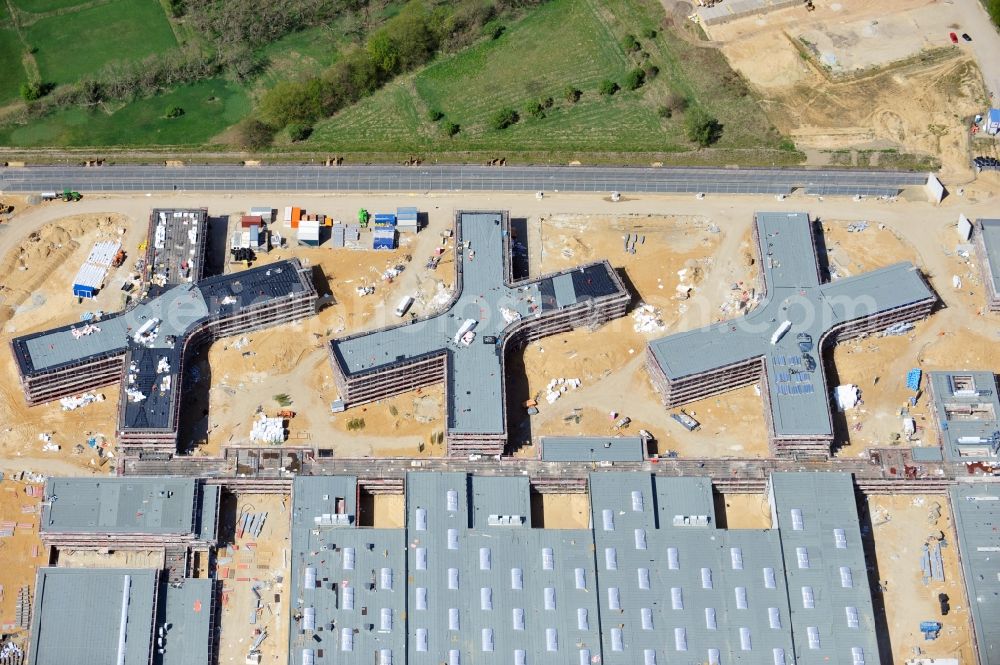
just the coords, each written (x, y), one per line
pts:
(247, 561)
(908, 601)
(120, 559)
(560, 511)
(382, 511)
(895, 102)
(20, 553)
(745, 511)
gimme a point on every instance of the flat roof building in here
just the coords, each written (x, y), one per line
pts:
(780, 343)
(966, 410)
(976, 508)
(468, 581)
(593, 448)
(114, 615)
(132, 511)
(465, 346)
(987, 244)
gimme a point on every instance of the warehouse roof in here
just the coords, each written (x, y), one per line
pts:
(794, 293)
(82, 615)
(153, 505)
(593, 448)
(977, 515)
(653, 581)
(990, 228)
(968, 413)
(475, 373)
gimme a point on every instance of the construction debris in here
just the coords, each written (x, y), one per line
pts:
(647, 319)
(73, 403)
(847, 396)
(250, 525)
(857, 227)
(557, 387)
(268, 430)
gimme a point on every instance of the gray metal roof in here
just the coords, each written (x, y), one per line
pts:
(187, 608)
(153, 505)
(78, 616)
(826, 504)
(475, 379)
(798, 399)
(977, 517)
(593, 448)
(990, 228)
(653, 581)
(967, 409)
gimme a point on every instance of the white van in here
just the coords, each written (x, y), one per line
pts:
(404, 305)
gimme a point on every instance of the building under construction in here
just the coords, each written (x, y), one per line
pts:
(465, 346)
(145, 346)
(966, 410)
(780, 343)
(987, 243)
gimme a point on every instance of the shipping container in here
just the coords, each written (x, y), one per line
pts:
(404, 305)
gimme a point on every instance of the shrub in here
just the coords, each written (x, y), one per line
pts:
(630, 43)
(634, 79)
(572, 94)
(435, 114)
(608, 87)
(652, 71)
(496, 30)
(252, 134)
(176, 8)
(451, 128)
(664, 111)
(35, 90)
(649, 33)
(548, 102)
(174, 112)
(504, 118)
(702, 128)
(535, 110)
(298, 131)
(676, 102)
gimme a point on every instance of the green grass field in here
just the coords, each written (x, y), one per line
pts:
(11, 72)
(43, 6)
(82, 42)
(209, 108)
(563, 42)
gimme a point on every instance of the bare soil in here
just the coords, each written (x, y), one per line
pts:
(908, 600)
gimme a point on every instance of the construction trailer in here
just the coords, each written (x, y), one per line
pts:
(90, 278)
(407, 220)
(384, 219)
(384, 238)
(309, 233)
(266, 214)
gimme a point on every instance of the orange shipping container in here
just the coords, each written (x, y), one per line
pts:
(296, 216)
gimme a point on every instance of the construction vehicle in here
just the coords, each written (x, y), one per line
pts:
(119, 259)
(363, 217)
(286, 413)
(69, 195)
(930, 629)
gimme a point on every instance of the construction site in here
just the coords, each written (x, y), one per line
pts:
(341, 390)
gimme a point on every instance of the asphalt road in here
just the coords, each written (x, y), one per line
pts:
(453, 178)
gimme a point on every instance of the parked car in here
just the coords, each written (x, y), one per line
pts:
(953, 37)
(966, 37)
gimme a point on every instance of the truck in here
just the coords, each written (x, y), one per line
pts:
(463, 334)
(404, 305)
